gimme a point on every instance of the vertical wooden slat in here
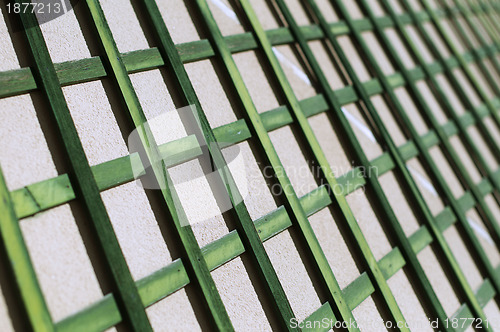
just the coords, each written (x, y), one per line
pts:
(13, 247)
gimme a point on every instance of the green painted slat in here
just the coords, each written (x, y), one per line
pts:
(430, 139)
(485, 293)
(358, 290)
(383, 164)
(463, 312)
(482, 111)
(276, 118)
(466, 202)
(420, 239)
(351, 181)
(230, 246)
(13, 248)
(314, 105)
(451, 129)
(316, 200)
(80, 175)
(467, 120)
(196, 266)
(98, 317)
(445, 219)
(16, 81)
(28, 200)
(79, 71)
(409, 150)
(163, 282)
(325, 311)
(485, 187)
(274, 223)
(391, 263)
(118, 171)
(232, 133)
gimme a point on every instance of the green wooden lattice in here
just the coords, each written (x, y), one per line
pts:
(127, 301)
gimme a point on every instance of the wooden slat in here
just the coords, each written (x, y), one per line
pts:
(13, 248)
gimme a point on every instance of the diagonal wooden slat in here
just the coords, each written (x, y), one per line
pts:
(12, 247)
